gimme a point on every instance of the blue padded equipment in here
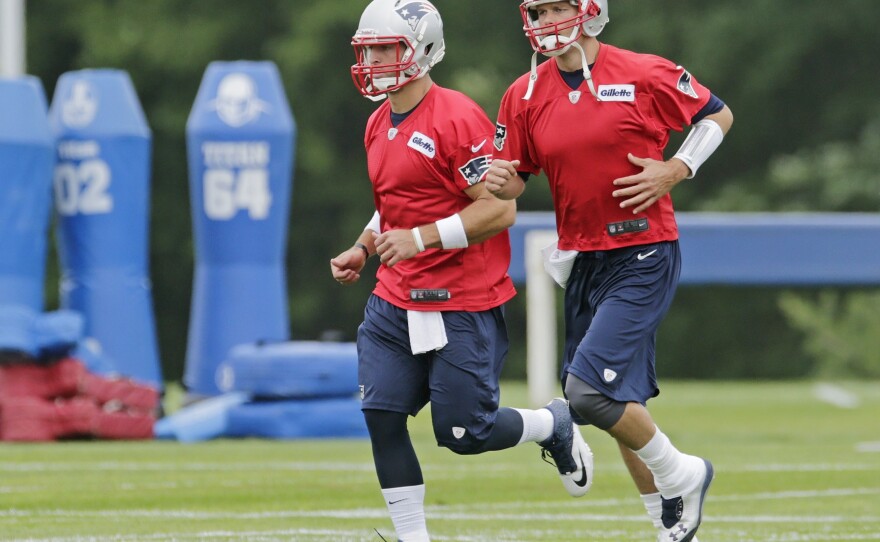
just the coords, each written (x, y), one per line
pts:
(57, 333)
(294, 369)
(240, 140)
(199, 421)
(296, 419)
(16, 329)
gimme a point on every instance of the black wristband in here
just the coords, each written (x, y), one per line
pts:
(364, 248)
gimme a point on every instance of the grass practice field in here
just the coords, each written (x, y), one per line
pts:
(795, 462)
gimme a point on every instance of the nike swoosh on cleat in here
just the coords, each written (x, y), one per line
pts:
(583, 481)
(475, 148)
(643, 256)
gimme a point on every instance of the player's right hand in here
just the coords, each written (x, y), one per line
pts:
(502, 180)
(346, 268)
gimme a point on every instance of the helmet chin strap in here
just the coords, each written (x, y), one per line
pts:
(533, 75)
(587, 75)
(384, 83)
(380, 83)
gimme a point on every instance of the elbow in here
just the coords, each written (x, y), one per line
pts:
(725, 119)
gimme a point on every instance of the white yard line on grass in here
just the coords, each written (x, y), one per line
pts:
(795, 537)
(251, 536)
(799, 467)
(113, 466)
(358, 536)
(318, 535)
(376, 513)
(137, 466)
(868, 447)
(835, 395)
(634, 501)
(284, 536)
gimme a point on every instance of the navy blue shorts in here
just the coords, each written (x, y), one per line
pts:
(614, 303)
(460, 380)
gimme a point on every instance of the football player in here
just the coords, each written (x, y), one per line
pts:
(596, 119)
(434, 329)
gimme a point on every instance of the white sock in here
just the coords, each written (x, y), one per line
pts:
(674, 473)
(654, 507)
(537, 424)
(407, 508)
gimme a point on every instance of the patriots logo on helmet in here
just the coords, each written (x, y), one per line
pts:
(413, 12)
(500, 135)
(474, 170)
(684, 83)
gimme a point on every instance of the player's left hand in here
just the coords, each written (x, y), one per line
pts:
(654, 181)
(394, 246)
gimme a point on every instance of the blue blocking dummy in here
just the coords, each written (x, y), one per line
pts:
(312, 418)
(296, 369)
(206, 419)
(17, 329)
(240, 140)
(102, 198)
(26, 160)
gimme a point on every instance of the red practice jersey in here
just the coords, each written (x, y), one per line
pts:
(581, 142)
(420, 170)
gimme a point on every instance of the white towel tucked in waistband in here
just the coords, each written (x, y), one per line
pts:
(558, 263)
(426, 331)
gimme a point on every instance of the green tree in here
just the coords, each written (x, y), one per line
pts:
(840, 326)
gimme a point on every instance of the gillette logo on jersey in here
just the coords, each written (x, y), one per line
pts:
(413, 12)
(617, 93)
(423, 144)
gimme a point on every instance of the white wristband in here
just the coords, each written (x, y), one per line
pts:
(374, 223)
(417, 236)
(452, 234)
(701, 142)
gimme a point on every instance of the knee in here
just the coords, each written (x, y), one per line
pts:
(592, 406)
(457, 438)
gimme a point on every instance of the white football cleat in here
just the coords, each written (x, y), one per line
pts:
(571, 455)
(682, 515)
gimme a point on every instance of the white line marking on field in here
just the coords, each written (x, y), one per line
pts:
(794, 537)
(835, 395)
(868, 447)
(817, 467)
(617, 503)
(809, 494)
(359, 535)
(374, 513)
(136, 466)
(368, 468)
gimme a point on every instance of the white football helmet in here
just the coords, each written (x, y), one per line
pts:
(413, 28)
(555, 39)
